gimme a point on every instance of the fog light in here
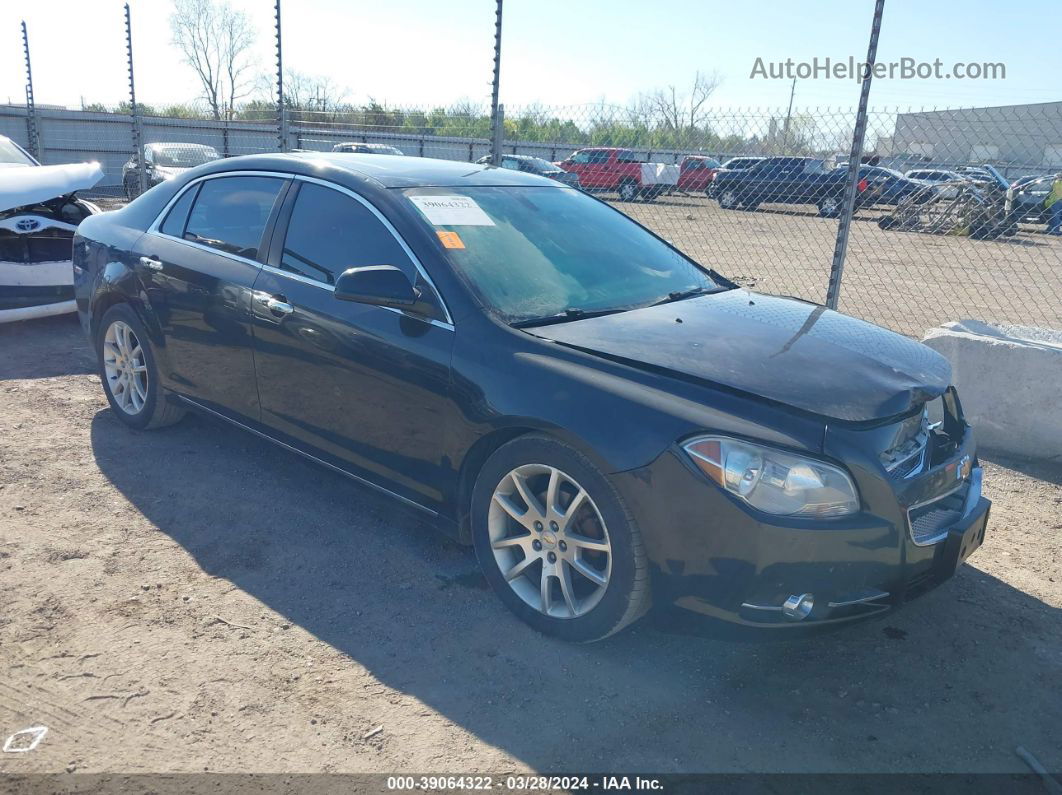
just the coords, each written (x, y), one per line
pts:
(798, 606)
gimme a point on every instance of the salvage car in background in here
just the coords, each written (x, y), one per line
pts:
(605, 420)
(982, 210)
(1027, 196)
(620, 170)
(535, 165)
(696, 173)
(787, 180)
(741, 163)
(356, 147)
(888, 186)
(163, 161)
(39, 212)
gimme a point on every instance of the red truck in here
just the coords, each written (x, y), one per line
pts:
(621, 170)
(696, 173)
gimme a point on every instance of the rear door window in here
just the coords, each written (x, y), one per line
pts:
(178, 214)
(230, 213)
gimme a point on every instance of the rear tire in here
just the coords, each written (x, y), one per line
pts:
(129, 374)
(628, 191)
(580, 574)
(728, 199)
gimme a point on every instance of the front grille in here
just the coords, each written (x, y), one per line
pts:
(31, 249)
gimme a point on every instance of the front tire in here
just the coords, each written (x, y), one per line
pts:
(829, 207)
(129, 374)
(556, 542)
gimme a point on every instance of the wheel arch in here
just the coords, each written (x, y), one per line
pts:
(484, 447)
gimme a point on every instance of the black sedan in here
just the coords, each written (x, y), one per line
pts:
(609, 423)
(888, 186)
(535, 165)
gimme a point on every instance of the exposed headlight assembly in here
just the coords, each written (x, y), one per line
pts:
(775, 481)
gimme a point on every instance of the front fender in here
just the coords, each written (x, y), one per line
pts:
(621, 417)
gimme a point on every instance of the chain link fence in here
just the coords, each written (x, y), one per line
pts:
(951, 215)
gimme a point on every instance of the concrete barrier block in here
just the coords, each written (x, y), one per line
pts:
(1010, 383)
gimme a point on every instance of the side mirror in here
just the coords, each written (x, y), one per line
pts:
(379, 285)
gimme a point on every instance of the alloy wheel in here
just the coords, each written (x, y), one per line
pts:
(549, 541)
(125, 367)
(728, 199)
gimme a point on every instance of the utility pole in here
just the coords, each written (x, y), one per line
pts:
(134, 111)
(497, 123)
(33, 138)
(282, 122)
(788, 116)
(833, 290)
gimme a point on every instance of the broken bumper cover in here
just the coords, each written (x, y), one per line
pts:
(38, 289)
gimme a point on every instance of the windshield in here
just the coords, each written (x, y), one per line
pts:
(12, 155)
(184, 156)
(543, 166)
(533, 252)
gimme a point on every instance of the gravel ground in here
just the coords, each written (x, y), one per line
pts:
(195, 599)
(906, 281)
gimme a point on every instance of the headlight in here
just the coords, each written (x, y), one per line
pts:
(775, 481)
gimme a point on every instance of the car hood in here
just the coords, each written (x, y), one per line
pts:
(22, 186)
(780, 349)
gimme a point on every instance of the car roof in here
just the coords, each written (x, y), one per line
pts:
(396, 171)
(178, 144)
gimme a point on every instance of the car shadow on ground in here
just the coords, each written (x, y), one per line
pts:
(942, 685)
(22, 355)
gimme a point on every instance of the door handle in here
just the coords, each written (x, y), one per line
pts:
(274, 304)
(151, 263)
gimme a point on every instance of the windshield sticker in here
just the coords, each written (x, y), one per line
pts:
(450, 239)
(451, 211)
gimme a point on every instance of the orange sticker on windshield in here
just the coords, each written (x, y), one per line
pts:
(450, 239)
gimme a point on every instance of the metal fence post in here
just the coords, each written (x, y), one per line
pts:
(134, 109)
(833, 290)
(496, 120)
(496, 135)
(33, 139)
(282, 122)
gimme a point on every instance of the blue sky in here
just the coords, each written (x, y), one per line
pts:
(556, 52)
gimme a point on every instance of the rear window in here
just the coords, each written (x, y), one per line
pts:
(230, 213)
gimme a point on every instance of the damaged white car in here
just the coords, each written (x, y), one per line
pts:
(38, 216)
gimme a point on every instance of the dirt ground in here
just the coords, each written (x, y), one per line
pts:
(195, 599)
(906, 281)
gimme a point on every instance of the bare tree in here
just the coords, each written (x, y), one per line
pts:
(312, 92)
(216, 41)
(680, 110)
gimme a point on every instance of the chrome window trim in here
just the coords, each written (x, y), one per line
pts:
(154, 229)
(448, 323)
(281, 175)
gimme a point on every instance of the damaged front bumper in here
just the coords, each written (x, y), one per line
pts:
(717, 557)
(36, 273)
